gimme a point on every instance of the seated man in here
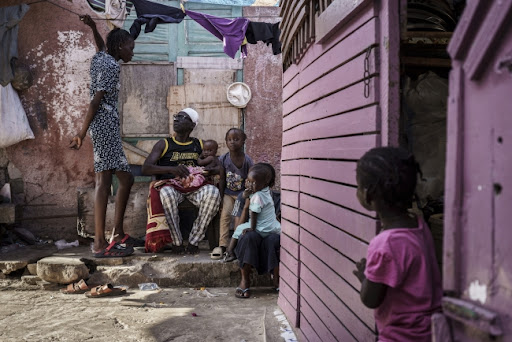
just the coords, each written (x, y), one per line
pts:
(170, 158)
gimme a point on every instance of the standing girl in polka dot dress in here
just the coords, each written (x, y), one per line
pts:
(102, 121)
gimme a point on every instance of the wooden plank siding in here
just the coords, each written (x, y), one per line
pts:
(328, 124)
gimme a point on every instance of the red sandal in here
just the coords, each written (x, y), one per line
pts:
(106, 290)
(114, 250)
(76, 288)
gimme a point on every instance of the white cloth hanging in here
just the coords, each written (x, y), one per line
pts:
(14, 126)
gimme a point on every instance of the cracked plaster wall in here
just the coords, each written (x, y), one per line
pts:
(58, 47)
(263, 73)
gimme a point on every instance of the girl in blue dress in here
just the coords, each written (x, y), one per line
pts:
(261, 208)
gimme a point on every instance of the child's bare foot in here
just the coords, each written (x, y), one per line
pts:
(242, 291)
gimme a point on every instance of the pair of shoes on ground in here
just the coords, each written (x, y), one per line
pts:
(93, 291)
(119, 249)
(220, 253)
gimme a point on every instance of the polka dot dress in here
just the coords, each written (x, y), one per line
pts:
(105, 127)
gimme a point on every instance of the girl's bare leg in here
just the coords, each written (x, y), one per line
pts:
(103, 182)
(275, 277)
(123, 192)
(245, 281)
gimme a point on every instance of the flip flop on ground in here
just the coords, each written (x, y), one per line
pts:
(114, 250)
(106, 290)
(76, 288)
(243, 294)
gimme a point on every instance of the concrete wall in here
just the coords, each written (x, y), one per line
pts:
(263, 117)
(58, 48)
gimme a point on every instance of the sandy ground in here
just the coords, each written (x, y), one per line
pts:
(28, 313)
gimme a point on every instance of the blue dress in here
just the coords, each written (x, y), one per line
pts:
(261, 202)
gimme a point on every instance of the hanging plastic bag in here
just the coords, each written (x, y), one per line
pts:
(14, 125)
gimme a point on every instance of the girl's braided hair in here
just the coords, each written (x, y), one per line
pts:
(389, 173)
(115, 39)
(244, 136)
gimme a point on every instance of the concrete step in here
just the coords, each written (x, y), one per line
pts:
(164, 269)
(18, 259)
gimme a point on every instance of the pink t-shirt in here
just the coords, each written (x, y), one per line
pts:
(404, 260)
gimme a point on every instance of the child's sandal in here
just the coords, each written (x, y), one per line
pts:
(228, 257)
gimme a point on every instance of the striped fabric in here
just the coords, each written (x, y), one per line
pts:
(207, 199)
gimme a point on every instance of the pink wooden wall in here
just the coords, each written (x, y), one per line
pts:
(328, 124)
(477, 253)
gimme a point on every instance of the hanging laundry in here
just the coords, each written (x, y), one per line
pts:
(151, 14)
(9, 19)
(239, 2)
(265, 32)
(114, 11)
(230, 31)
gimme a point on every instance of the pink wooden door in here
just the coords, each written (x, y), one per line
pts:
(478, 234)
(340, 99)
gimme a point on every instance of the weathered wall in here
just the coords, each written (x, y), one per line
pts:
(263, 117)
(58, 48)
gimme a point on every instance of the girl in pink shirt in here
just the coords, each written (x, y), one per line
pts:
(399, 278)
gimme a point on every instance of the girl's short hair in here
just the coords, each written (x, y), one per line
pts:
(211, 141)
(389, 173)
(238, 130)
(116, 38)
(265, 172)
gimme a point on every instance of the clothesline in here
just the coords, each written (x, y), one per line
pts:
(235, 34)
(66, 9)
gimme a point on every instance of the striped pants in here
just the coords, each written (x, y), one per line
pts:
(207, 199)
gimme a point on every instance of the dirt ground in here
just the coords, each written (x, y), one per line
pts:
(28, 313)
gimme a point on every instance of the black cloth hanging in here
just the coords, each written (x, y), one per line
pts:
(265, 32)
(151, 14)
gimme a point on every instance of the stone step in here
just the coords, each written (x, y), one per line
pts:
(164, 269)
(20, 258)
